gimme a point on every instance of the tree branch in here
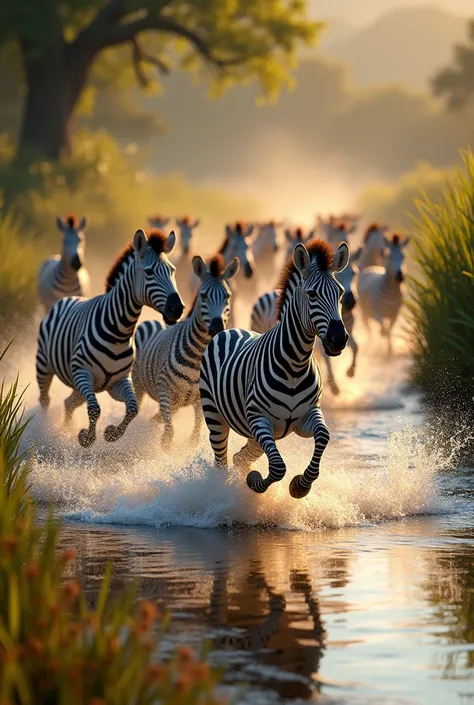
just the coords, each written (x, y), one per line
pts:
(139, 57)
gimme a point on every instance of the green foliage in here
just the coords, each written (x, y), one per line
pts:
(442, 291)
(19, 262)
(13, 466)
(395, 203)
(456, 83)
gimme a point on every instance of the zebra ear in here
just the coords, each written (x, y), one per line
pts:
(310, 236)
(196, 223)
(59, 224)
(170, 243)
(405, 243)
(178, 222)
(356, 255)
(288, 235)
(341, 258)
(140, 242)
(228, 231)
(199, 267)
(250, 230)
(82, 224)
(231, 270)
(301, 260)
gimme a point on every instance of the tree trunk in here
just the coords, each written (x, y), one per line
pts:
(55, 80)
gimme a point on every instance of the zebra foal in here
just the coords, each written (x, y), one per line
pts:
(167, 359)
(267, 386)
(65, 275)
(87, 343)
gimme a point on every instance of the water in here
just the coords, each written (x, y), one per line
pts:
(363, 592)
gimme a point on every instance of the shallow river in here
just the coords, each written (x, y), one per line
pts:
(361, 593)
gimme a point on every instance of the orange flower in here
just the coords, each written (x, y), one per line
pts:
(156, 672)
(32, 570)
(71, 591)
(35, 646)
(147, 611)
(68, 555)
(185, 654)
(96, 701)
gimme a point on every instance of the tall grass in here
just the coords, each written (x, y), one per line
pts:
(442, 292)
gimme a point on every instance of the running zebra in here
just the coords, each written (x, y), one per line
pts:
(380, 289)
(168, 359)
(374, 247)
(157, 221)
(65, 275)
(87, 343)
(264, 317)
(295, 238)
(238, 242)
(267, 386)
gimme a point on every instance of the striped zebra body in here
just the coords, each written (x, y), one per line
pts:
(267, 386)
(168, 360)
(264, 317)
(238, 243)
(87, 343)
(65, 275)
(380, 290)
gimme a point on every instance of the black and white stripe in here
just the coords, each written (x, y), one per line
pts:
(168, 359)
(265, 387)
(65, 274)
(87, 343)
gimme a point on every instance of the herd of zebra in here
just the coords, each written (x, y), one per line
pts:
(264, 383)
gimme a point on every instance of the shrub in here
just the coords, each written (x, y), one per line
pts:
(442, 291)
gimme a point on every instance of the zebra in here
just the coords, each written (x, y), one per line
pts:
(295, 238)
(335, 231)
(157, 221)
(266, 249)
(65, 275)
(238, 242)
(264, 316)
(267, 386)
(185, 278)
(87, 343)
(380, 289)
(374, 247)
(167, 360)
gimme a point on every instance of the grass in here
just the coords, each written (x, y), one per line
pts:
(55, 649)
(442, 292)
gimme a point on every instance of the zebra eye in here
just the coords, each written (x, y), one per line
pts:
(312, 295)
(148, 270)
(203, 296)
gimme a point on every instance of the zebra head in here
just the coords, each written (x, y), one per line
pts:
(267, 238)
(73, 241)
(240, 245)
(297, 238)
(336, 230)
(155, 285)
(321, 293)
(158, 221)
(212, 304)
(395, 258)
(346, 279)
(375, 245)
(186, 231)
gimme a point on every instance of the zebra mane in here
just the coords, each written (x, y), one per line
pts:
(216, 266)
(239, 229)
(320, 252)
(71, 220)
(156, 240)
(372, 228)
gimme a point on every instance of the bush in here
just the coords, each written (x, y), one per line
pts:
(19, 262)
(54, 649)
(442, 292)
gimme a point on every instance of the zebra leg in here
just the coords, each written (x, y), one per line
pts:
(166, 415)
(84, 385)
(313, 424)
(355, 348)
(44, 376)
(122, 391)
(250, 452)
(197, 424)
(262, 431)
(218, 436)
(73, 402)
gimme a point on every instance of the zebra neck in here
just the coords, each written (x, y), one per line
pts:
(196, 328)
(64, 270)
(389, 283)
(124, 305)
(294, 337)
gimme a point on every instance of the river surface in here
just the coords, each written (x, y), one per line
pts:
(363, 592)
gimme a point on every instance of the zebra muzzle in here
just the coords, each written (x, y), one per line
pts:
(174, 309)
(336, 338)
(216, 326)
(76, 263)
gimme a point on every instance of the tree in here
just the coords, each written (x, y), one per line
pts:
(456, 83)
(60, 41)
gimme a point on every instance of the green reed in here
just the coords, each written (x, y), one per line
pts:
(441, 303)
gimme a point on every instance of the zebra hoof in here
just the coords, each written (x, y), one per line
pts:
(296, 491)
(85, 438)
(253, 481)
(112, 433)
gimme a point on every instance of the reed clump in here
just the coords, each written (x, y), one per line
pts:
(441, 291)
